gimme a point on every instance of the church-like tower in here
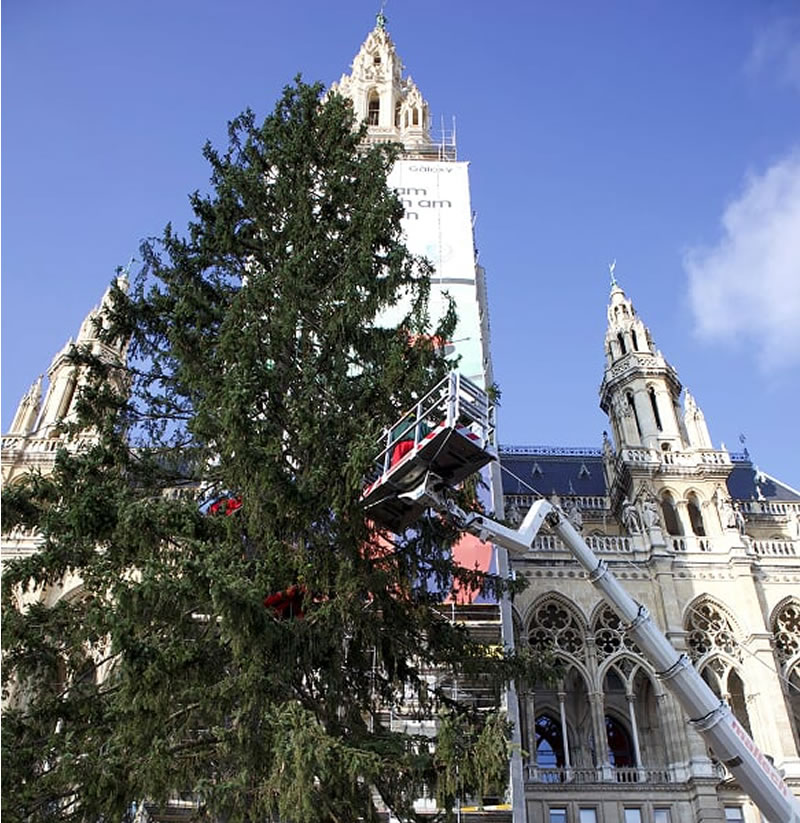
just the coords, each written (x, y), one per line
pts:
(709, 545)
(36, 433)
(665, 464)
(391, 104)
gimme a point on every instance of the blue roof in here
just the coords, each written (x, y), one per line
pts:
(746, 480)
(565, 471)
(579, 471)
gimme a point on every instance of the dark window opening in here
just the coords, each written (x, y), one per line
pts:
(374, 112)
(621, 341)
(620, 748)
(696, 517)
(654, 404)
(549, 745)
(632, 406)
(635, 341)
(671, 520)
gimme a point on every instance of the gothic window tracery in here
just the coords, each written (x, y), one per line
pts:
(610, 636)
(786, 632)
(710, 630)
(553, 626)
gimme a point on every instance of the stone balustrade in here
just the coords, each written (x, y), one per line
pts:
(596, 774)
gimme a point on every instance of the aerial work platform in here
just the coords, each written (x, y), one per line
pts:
(448, 434)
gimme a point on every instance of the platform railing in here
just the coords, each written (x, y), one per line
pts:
(454, 402)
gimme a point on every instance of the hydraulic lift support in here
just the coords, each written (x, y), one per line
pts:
(711, 717)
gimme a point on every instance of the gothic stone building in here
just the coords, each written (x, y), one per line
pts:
(708, 543)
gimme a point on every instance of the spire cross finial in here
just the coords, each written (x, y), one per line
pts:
(380, 19)
(611, 267)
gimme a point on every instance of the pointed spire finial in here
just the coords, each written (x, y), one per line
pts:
(611, 268)
(380, 18)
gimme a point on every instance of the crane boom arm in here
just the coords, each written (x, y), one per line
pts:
(711, 717)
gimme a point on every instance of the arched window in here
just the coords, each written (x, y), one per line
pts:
(374, 110)
(671, 519)
(620, 748)
(549, 745)
(786, 640)
(696, 516)
(635, 341)
(654, 404)
(415, 115)
(621, 341)
(737, 700)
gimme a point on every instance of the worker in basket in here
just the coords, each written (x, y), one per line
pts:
(403, 437)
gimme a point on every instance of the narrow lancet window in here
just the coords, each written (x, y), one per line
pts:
(374, 110)
(654, 404)
(696, 516)
(621, 341)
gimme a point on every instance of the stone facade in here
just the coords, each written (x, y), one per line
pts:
(710, 546)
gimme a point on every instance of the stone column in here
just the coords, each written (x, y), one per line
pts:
(683, 518)
(637, 754)
(530, 719)
(597, 705)
(564, 738)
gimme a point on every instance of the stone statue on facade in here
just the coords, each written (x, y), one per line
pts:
(727, 516)
(574, 515)
(741, 524)
(608, 450)
(651, 514)
(631, 519)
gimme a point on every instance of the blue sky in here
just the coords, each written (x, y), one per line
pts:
(662, 133)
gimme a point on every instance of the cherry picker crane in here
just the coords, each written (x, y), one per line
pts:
(448, 437)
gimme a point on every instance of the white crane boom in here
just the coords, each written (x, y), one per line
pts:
(448, 436)
(711, 717)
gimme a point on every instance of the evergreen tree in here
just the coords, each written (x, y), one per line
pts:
(243, 653)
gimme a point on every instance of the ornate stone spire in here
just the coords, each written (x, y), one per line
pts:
(28, 409)
(640, 390)
(391, 104)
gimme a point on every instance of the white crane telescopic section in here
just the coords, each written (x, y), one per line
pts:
(448, 436)
(711, 717)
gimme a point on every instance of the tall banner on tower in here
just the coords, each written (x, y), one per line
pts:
(438, 226)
